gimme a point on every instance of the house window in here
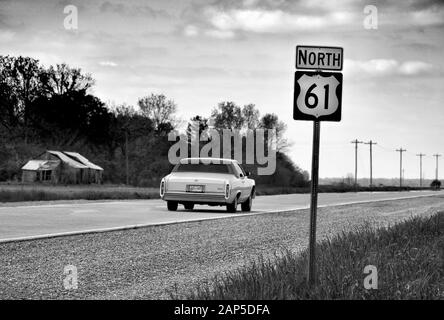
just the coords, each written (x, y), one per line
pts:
(46, 175)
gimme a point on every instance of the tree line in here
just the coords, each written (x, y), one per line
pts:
(52, 108)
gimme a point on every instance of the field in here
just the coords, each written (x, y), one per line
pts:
(42, 192)
(409, 259)
(19, 193)
(333, 188)
(168, 261)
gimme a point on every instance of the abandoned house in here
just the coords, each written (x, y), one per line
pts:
(61, 167)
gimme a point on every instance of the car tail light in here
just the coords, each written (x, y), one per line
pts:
(162, 188)
(227, 191)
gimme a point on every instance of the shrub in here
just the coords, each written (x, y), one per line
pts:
(436, 185)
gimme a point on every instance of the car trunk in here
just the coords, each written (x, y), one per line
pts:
(214, 183)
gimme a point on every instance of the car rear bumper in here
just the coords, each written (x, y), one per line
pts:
(204, 198)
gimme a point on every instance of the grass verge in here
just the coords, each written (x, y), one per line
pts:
(19, 193)
(42, 192)
(270, 190)
(409, 258)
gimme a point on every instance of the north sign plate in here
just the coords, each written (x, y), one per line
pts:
(319, 58)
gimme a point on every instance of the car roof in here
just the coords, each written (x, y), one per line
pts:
(208, 160)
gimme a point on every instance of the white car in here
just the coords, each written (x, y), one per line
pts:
(210, 181)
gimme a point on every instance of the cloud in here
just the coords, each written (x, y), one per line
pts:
(388, 67)
(126, 9)
(425, 4)
(191, 31)
(287, 17)
(229, 18)
(8, 22)
(108, 64)
(220, 34)
(272, 21)
(81, 6)
(6, 35)
(428, 17)
(415, 67)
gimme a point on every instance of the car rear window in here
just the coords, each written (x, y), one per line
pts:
(200, 167)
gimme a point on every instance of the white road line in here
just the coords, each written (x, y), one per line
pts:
(75, 211)
(137, 226)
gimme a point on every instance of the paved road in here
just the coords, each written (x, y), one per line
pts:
(38, 220)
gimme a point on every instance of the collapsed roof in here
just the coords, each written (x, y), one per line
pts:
(40, 165)
(73, 159)
(83, 160)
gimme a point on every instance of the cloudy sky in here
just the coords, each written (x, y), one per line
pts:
(202, 52)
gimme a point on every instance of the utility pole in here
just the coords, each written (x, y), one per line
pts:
(437, 156)
(371, 143)
(126, 157)
(356, 142)
(313, 203)
(420, 155)
(400, 150)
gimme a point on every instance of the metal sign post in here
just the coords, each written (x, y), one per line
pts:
(314, 202)
(317, 97)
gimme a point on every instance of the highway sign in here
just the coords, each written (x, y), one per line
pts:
(317, 96)
(319, 58)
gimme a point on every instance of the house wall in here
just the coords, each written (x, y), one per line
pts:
(29, 176)
(99, 176)
(69, 175)
(94, 176)
(55, 175)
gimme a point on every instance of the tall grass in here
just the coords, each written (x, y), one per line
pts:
(340, 188)
(43, 192)
(18, 193)
(409, 257)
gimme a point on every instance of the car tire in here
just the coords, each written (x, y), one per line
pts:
(246, 206)
(232, 207)
(172, 205)
(189, 206)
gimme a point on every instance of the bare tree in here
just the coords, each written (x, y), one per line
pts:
(159, 109)
(251, 116)
(24, 79)
(63, 79)
(227, 115)
(271, 121)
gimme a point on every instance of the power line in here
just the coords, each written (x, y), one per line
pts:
(385, 148)
(371, 143)
(400, 150)
(420, 155)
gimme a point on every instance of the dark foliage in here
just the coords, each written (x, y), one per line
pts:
(436, 184)
(53, 109)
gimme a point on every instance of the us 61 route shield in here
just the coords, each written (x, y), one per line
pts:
(317, 96)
